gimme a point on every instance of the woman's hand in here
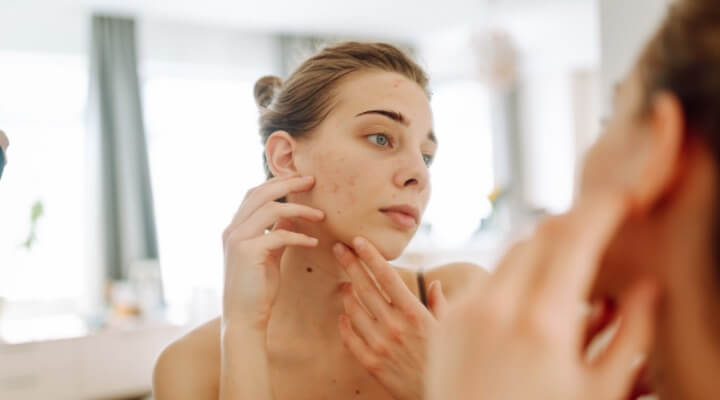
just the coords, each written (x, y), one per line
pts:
(522, 333)
(252, 255)
(385, 326)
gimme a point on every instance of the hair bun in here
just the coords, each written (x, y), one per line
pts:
(265, 89)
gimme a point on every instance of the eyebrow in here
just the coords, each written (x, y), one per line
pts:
(393, 115)
(397, 117)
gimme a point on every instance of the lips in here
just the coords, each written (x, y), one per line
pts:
(405, 215)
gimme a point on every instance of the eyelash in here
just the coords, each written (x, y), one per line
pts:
(426, 157)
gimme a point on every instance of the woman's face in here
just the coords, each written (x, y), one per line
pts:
(370, 159)
(671, 243)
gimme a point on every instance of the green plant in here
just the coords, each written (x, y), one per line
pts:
(36, 212)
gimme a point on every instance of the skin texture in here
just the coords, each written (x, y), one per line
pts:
(641, 235)
(346, 163)
(288, 329)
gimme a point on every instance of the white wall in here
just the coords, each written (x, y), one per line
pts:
(217, 52)
(45, 29)
(554, 40)
(625, 26)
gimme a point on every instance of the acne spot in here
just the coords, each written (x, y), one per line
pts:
(357, 392)
(309, 269)
(335, 188)
(351, 180)
(334, 381)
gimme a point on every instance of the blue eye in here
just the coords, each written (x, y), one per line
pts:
(428, 159)
(379, 139)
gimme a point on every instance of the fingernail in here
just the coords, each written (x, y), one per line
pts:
(359, 243)
(339, 249)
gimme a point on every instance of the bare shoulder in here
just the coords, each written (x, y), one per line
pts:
(189, 368)
(455, 277)
(409, 277)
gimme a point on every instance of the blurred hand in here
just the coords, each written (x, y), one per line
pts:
(252, 255)
(522, 333)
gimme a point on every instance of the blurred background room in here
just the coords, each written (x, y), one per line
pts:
(133, 133)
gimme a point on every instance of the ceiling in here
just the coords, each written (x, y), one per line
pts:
(402, 18)
(386, 18)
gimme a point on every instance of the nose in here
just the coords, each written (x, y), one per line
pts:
(412, 172)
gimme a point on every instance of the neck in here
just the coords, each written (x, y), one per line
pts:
(308, 303)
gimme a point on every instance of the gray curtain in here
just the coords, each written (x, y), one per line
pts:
(127, 221)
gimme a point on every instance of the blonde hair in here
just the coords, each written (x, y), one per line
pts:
(301, 103)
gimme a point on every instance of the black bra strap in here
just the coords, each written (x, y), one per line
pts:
(421, 288)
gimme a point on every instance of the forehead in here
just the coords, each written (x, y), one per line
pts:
(367, 90)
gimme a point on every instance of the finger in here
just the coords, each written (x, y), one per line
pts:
(280, 238)
(357, 346)
(271, 190)
(271, 212)
(388, 279)
(617, 368)
(365, 288)
(284, 223)
(436, 300)
(362, 323)
(513, 271)
(599, 315)
(575, 245)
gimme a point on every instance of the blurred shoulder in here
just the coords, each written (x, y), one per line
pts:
(189, 367)
(455, 277)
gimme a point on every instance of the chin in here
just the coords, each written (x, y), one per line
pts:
(390, 244)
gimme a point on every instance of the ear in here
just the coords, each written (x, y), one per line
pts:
(660, 158)
(280, 154)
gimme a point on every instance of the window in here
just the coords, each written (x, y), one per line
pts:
(205, 153)
(42, 109)
(462, 173)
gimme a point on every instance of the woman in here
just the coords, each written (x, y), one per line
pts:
(643, 234)
(348, 143)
